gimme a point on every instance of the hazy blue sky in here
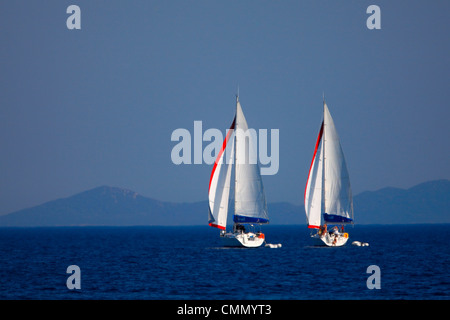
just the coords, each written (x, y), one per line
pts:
(97, 106)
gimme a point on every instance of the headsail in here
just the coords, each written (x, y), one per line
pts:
(250, 200)
(313, 189)
(219, 183)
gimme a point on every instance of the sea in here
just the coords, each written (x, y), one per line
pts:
(401, 262)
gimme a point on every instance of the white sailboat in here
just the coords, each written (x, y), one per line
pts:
(250, 208)
(328, 195)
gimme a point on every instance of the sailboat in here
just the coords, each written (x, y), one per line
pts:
(328, 195)
(250, 208)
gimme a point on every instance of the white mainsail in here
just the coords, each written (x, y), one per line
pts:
(337, 191)
(250, 201)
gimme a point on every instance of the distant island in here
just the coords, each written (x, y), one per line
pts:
(427, 202)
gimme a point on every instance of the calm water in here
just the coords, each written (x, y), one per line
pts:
(189, 263)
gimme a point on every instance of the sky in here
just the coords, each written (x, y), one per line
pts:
(82, 108)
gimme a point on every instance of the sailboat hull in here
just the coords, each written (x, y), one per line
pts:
(330, 240)
(247, 240)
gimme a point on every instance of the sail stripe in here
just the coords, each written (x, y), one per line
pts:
(217, 226)
(224, 145)
(319, 138)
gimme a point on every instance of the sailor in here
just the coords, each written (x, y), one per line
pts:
(320, 232)
(240, 228)
(335, 231)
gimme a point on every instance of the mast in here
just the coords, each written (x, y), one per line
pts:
(235, 157)
(323, 155)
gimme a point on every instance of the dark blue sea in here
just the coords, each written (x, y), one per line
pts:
(154, 263)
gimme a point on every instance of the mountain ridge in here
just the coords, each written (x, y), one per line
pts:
(427, 202)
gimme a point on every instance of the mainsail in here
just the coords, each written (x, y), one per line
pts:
(250, 201)
(337, 191)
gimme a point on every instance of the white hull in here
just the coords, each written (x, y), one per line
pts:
(330, 240)
(248, 240)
